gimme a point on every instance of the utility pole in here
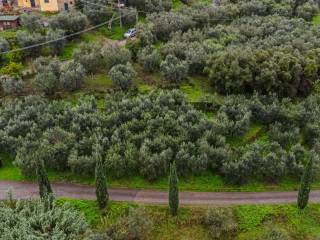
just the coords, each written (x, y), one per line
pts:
(137, 17)
(120, 18)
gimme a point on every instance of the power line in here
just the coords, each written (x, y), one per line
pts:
(80, 32)
(60, 38)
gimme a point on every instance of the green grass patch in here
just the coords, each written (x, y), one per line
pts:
(176, 4)
(115, 33)
(316, 20)
(92, 212)
(98, 81)
(8, 171)
(197, 88)
(68, 50)
(252, 219)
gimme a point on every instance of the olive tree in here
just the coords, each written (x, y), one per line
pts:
(26, 39)
(173, 69)
(48, 72)
(32, 22)
(70, 22)
(56, 46)
(150, 59)
(11, 85)
(72, 76)
(97, 11)
(129, 16)
(114, 55)
(89, 56)
(122, 76)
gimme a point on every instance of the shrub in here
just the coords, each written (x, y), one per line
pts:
(122, 76)
(12, 69)
(38, 221)
(284, 134)
(274, 233)
(220, 222)
(136, 225)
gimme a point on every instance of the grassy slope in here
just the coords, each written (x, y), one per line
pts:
(252, 220)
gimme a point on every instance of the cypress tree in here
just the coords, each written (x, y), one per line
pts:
(173, 190)
(43, 180)
(101, 179)
(305, 185)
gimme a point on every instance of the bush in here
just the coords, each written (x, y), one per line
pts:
(12, 69)
(136, 225)
(220, 222)
(173, 69)
(38, 221)
(122, 76)
(274, 233)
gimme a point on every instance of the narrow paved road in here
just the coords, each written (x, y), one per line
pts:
(23, 190)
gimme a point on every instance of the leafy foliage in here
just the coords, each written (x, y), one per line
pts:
(36, 220)
(220, 222)
(122, 76)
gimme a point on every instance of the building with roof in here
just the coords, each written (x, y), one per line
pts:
(9, 21)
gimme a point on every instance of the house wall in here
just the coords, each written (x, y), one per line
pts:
(49, 5)
(8, 24)
(61, 4)
(27, 3)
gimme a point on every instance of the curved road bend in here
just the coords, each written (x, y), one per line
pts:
(25, 190)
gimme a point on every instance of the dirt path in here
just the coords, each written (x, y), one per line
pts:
(23, 190)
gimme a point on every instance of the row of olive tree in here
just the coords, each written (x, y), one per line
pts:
(239, 52)
(144, 134)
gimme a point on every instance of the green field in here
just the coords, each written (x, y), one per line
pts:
(251, 220)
